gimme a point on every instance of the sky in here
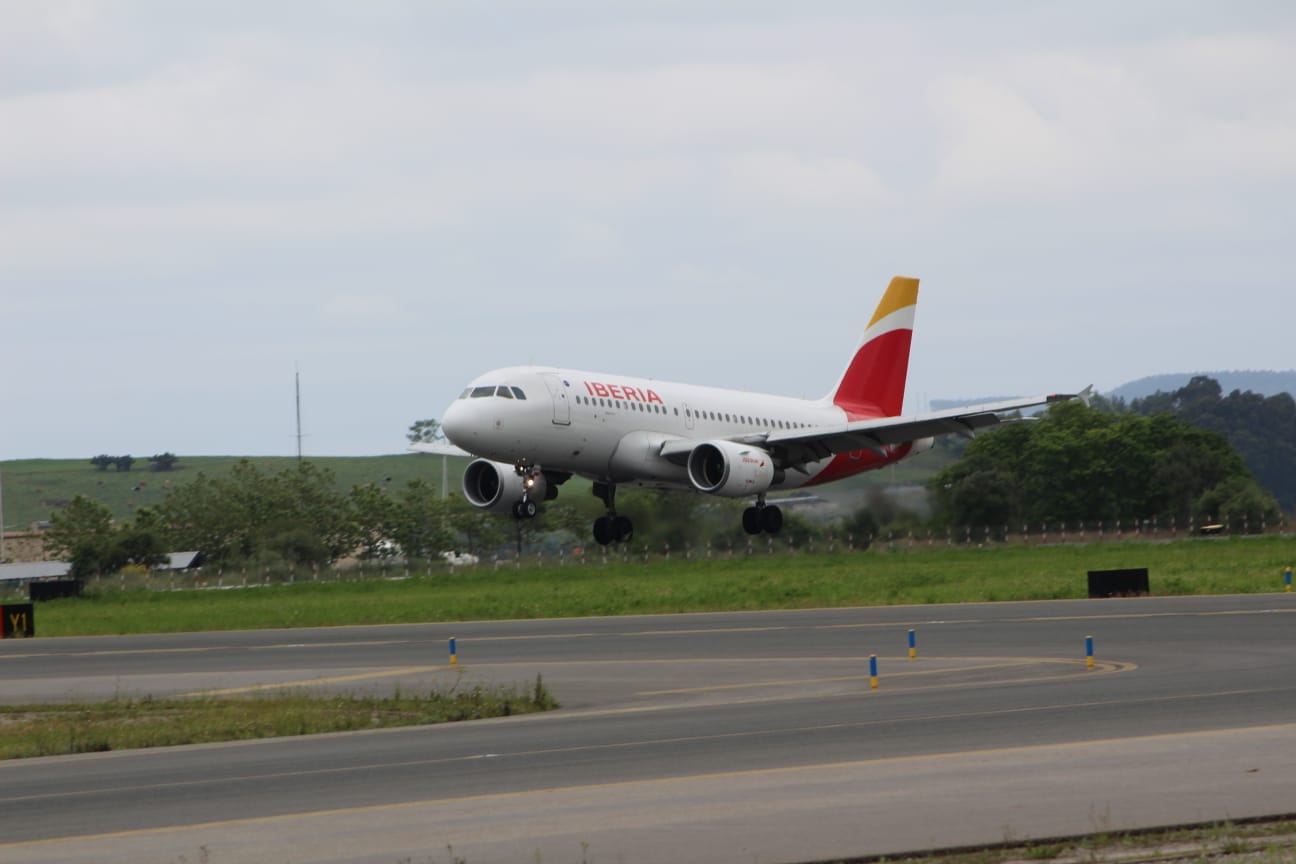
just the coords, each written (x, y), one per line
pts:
(201, 200)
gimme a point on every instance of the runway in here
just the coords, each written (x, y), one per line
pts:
(738, 737)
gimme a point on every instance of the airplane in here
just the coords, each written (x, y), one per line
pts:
(531, 428)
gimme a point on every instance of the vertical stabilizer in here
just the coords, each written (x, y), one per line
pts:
(873, 384)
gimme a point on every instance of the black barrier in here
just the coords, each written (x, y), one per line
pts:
(18, 620)
(54, 589)
(1119, 583)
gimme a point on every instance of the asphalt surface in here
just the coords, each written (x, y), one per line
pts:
(740, 737)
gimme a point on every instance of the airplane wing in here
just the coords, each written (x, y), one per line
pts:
(793, 449)
(440, 448)
(809, 445)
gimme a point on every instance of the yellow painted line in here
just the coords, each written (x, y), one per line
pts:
(359, 644)
(629, 784)
(110, 653)
(785, 682)
(314, 682)
(907, 672)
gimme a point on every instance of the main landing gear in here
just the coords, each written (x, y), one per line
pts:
(762, 517)
(610, 528)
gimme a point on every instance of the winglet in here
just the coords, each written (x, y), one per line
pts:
(873, 384)
(1086, 396)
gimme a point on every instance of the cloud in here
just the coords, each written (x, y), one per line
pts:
(1176, 111)
(361, 310)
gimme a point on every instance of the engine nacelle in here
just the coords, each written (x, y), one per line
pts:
(730, 469)
(921, 445)
(496, 486)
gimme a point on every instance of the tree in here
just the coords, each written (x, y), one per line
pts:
(102, 461)
(860, 527)
(297, 515)
(374, 512)
(124, 463)
(1078, 464)
(424, 432)
(84, 533)
(163, 461)
(419, 522)
(1263, 429)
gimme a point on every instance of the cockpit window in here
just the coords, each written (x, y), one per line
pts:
(503, 391)
(517, 391)
(482, 392)
(464, 395)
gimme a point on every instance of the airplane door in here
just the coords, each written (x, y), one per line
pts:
(561, 404)
(688, 417)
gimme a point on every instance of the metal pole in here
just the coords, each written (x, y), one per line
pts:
(297, 389)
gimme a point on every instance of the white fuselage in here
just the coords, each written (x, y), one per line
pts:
(611, 427)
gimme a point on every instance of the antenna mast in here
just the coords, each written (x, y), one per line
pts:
(297, 382)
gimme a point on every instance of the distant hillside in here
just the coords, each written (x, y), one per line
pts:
(1266, 383)
(34, 488)
(1263, 382)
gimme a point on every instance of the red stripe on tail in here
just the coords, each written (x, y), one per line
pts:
(874, 383)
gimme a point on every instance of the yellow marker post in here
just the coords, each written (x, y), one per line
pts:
(1089, 661)
(454, 659)
(873, 676)
(1288, 580)
(913, 645)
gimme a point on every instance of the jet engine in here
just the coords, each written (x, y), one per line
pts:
(730, 469)
(497, 486)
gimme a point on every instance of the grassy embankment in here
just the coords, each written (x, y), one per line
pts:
(880, 576)
(119, 724)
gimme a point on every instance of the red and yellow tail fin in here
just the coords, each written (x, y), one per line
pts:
(873, 384)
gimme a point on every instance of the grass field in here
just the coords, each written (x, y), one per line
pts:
(33, 488)
(119, 724)
(880, 576)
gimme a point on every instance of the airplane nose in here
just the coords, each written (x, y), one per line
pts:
(453, 423)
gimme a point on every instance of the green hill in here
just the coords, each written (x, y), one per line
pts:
(33, 488)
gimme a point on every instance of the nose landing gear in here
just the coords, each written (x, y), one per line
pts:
(525, 507)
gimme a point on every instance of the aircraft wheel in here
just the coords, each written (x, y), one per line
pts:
(771, 519)
(752, 520)
(603, 530)
(529, 509)
(622, 529)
